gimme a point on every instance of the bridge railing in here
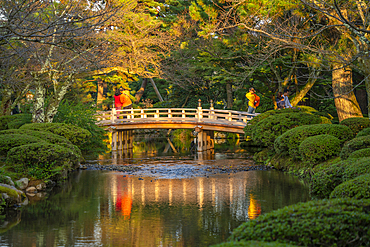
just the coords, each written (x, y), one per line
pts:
(175, 114)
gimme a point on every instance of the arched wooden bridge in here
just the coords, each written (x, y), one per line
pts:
(203, 121)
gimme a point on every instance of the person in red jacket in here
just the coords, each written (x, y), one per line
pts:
(117, 101)
(125, 99)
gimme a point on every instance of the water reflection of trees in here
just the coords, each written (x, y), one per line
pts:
(110, 209)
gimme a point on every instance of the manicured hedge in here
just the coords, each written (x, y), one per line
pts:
(354, 145)
(325, 180)
(267, 130)
(325, 118)
(74, 134)
(335, 222)
(42, 154)
(252, 244)
(45, 136)
(360, 153)
(357, 188)
(364, 132)
(288, 143)
(10, 141)
(319, 148)
(356, 124)
(14, 121)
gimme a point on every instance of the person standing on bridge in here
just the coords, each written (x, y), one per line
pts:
(125, 98)
(117, 101)
(251, 96)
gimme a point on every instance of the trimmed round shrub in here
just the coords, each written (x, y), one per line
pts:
(364, 132)
(360, 153)
(335, 222)
(74, 134)
(356, 124)
(45, 136)
(14, 121)
(319, 148)
(288, 143)
(267, 130)
(324, 181)
(357, 188)
(325, 118)
(354, 145)
(10, 141)
(42, 154)
(252, 244)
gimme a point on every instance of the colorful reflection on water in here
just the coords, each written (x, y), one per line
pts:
(97, 208)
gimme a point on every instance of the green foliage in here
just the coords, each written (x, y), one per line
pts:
(83, 116)
(363, 132)
(14, 121)
(44, 136)
(357, 188)
(73, 133)
(288, 143)
(354, 145)
(325, 180)
(360, 153)
(319, 148)
(42, 155)
(356, 124)
(9, 141)
(335, 222)
(252, 243)
(264, 115)
(268, 129)
(4, 120)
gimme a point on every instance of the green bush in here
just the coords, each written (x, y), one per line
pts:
(354, 145)
(335, 222)
(19, 120)
(364, 132)
(74, 134)
(356, 124)
(357, 188)
(319, 148)
(42, 154)
(267, 130)
(45, 136)
(83, 116)
(325, 118)
(10, 141)
(14, 121)
(360, 153)
(325, 180)
(252, 244)
(288, 143)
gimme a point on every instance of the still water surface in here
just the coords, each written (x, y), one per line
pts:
(101, 208)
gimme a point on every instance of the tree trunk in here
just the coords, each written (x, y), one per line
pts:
(140, 93)
(156, 89)
(229, 95)
(54, 102)
(300, 95)
(345, 99)
(6, 101)
(364, 65)
(100, 97)
(38, 113)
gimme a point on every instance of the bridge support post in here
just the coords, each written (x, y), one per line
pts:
(205, 140)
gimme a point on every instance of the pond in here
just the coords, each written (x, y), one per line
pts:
(177, 199)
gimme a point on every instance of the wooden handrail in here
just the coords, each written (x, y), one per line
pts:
(229, 117)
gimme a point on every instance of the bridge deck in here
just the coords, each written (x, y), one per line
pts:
(176, 118)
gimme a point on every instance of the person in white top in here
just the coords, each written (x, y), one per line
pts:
(286, 99)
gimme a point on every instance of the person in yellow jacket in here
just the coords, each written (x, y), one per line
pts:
(251, 96)
(125, 98)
